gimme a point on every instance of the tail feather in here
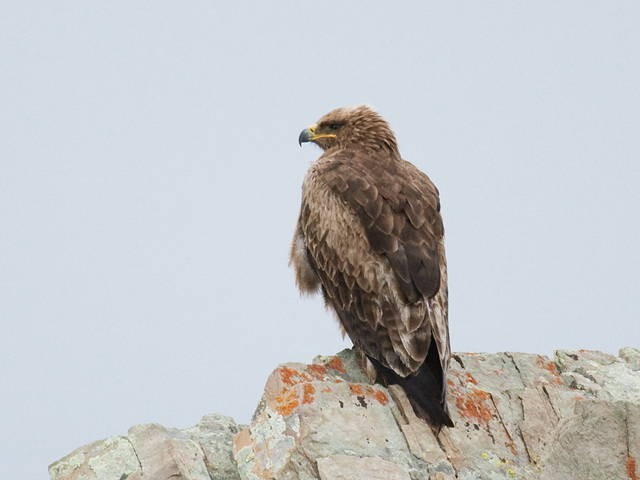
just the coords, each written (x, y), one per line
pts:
(425, 388)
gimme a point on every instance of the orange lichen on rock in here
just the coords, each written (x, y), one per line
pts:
(317, 371)
(470, 378)
(297, 386)
(336, 364)
(286, 395)
(356, 389)
(369, 392)
(289, 376)
(381, 397)
(287, 401)
(551, 368)
(631, 468)
(463, 378)
(309, 391)
(474, 405)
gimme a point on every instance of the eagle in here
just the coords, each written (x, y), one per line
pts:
(370, 237)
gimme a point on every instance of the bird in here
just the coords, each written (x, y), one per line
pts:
(370, 238)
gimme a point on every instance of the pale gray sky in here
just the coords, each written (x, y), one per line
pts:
(150, 182)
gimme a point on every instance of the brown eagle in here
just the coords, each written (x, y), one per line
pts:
(370, 236)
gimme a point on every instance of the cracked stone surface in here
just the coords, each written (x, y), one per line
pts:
(151, 451)
(517, 416)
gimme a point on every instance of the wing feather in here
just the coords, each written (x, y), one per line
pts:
(373, 233)
(398, 207)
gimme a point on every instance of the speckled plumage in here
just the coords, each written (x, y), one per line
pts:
(370, 237)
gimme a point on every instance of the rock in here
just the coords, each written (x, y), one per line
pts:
(595, 443)
(152, 451)
(165, 453)
(109, 459)
(345, 467)
(603, 375)
(214, 433)
(315, 411)
(631, 356)
(517, 416)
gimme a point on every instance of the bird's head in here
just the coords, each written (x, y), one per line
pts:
(351, 127)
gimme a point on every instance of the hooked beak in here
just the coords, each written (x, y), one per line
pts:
(309, 135)
(306, 135)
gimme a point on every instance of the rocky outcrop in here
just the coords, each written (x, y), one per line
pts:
(152, 451)
(517, 416)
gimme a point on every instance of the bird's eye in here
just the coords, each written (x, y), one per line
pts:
(333, 126)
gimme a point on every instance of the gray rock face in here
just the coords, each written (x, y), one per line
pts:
(152, 451)
(517, 416)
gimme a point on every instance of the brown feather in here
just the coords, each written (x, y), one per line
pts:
(372, 238)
